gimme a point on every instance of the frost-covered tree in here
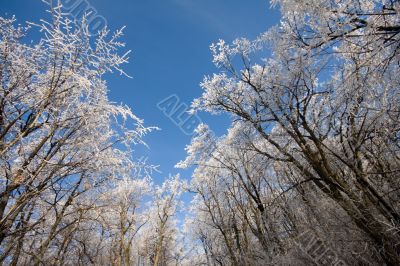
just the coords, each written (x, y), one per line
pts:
(61, 141)
(122, 216)
(160, 240)
(319, 117)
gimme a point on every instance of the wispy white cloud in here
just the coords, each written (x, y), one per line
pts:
(210, 16)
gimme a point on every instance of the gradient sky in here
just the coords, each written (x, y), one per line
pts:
(170, 42)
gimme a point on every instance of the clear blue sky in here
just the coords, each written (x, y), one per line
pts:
(170, 42)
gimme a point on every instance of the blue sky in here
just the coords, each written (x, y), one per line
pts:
(170, 42)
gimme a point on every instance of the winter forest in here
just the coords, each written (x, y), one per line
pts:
(306, 173)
